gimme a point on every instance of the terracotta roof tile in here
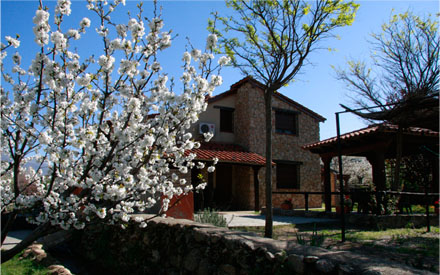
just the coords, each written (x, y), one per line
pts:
(384, 127)
(229, 153)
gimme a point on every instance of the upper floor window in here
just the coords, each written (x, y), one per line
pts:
(288, 175)
(227, 120)
(286, 122)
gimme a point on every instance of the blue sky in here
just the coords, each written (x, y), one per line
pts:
(315, 87)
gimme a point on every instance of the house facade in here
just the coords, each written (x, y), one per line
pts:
(237, 119)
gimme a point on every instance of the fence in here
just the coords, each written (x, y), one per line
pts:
(378, 194)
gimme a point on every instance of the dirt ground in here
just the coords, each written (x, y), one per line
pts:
(413, 247)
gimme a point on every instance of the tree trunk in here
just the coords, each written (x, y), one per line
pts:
(39, 232)
(11, 219)
(269, 211)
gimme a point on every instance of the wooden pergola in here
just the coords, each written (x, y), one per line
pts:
(377, 143)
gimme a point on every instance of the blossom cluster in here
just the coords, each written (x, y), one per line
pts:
(99, 139)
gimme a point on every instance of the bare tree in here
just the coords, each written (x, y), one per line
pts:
(271, 40)
(403, 78)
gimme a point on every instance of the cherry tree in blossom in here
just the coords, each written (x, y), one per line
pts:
(107, 134)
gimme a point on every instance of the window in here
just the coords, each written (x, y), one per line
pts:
(286, 122)
(288, 175)
(227, 120)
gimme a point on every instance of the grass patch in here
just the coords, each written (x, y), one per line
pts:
(16, 266)
(415, 209)
(408, 241)
(402, 240)
(421, 209)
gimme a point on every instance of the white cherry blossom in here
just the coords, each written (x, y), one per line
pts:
(105, 135)
(12, 41)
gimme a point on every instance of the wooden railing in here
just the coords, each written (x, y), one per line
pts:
(306, 194)
(376, 193)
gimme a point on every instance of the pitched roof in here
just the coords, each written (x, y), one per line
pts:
(256, 83)
(227, 153)
(371, 130)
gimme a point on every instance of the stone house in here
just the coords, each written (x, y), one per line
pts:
(237, 120)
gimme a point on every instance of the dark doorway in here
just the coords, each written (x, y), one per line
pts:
(217, 197)
(223, 187)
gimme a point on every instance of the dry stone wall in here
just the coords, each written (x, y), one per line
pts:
(169, 246)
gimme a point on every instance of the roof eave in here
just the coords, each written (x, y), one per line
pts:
(234, 87)
(247, 163)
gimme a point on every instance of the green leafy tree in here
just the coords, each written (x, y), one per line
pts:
(271, 40)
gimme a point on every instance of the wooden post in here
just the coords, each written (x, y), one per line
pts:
(427, 203)
(428, 223)
(256, 188)
(395, 186)
(341, 180)
(327, 184)
(377, 161)
(435, 174)
(306, 198)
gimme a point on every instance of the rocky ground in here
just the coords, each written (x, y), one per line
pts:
(412, 247)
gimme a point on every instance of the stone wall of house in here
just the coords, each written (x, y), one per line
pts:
(169, 246)
(243, 126)
(250, 133)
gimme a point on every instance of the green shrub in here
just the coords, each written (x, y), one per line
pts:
(315, 239)
(212, 217)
